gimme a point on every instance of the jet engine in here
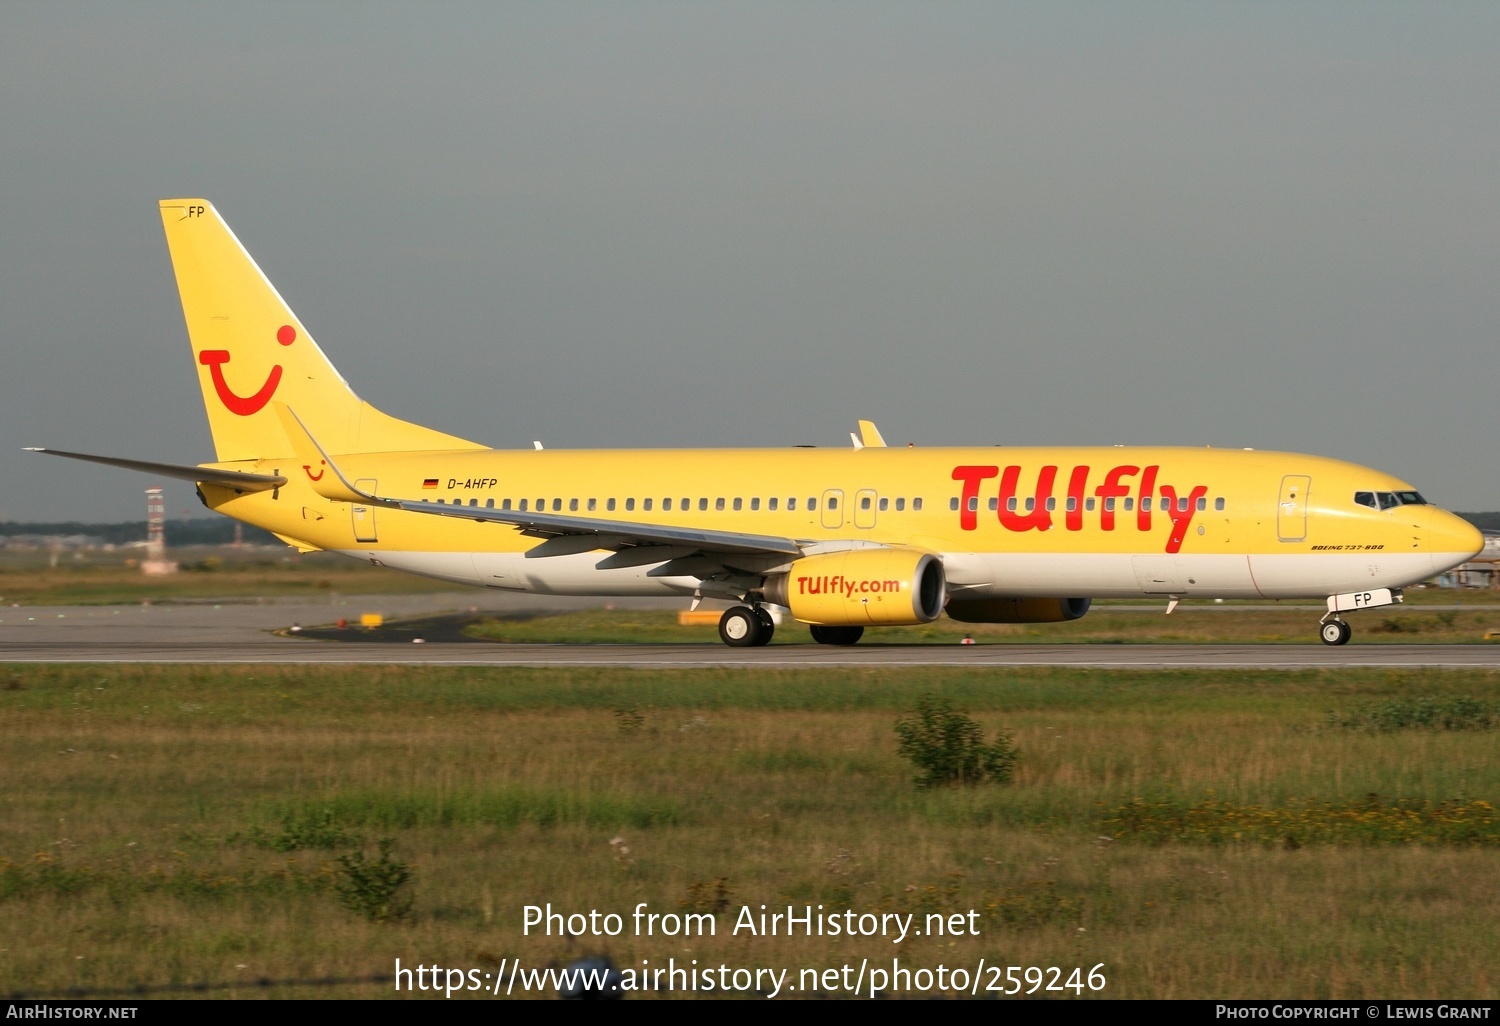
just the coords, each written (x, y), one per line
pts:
(1017, 610)
(862, 587)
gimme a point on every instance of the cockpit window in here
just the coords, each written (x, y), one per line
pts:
(1388, 500)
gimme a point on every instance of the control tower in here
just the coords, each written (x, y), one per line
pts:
(156, 561)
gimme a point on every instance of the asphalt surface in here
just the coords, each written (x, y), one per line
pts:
(247, 633)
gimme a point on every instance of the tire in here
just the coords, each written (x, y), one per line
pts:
(1336, 632)
(739, 627)
(836, 635)
(767, 625)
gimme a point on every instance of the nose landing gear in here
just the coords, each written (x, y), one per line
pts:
(1335, 631)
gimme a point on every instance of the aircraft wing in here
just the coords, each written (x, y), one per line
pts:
(666, 542)
(236, 479)
(609, 534)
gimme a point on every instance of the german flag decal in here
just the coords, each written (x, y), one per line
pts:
(431, 482)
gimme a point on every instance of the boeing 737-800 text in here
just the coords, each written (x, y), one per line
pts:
(844, 538)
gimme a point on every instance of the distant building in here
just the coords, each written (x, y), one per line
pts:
(1483, 571)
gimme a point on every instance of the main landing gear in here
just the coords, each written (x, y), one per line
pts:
(1335, 631)
(746, 627)
(836, 635)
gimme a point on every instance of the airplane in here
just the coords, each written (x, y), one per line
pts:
(844, 539)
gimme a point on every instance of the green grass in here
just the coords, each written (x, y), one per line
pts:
(1201, 833)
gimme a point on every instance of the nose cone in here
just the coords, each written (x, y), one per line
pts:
(1451, 540)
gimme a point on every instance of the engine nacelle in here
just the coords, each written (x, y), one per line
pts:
(862, 587)
(1017, 610)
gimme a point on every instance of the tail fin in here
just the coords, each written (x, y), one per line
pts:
(250, 348)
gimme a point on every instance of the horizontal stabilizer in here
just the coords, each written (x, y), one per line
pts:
(237, 479)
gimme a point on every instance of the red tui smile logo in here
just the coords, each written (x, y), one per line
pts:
(244, 406)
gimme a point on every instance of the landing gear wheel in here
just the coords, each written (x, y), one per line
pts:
(1336, 632)
(741, 627)
(836, 635)
(767, 625)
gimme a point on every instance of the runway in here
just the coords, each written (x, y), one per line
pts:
(227, 633)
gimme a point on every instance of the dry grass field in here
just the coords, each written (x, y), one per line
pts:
(1200, 834)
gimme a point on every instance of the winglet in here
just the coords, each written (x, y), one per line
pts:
(311, 455)
(869, 436)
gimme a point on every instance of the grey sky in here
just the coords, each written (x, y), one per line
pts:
(621, 224)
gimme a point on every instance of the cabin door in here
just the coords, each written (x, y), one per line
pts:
(364, 516)
(1291, 508)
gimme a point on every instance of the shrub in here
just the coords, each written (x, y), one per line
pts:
(371, 888)
(948, 747)
(1421, 713)
(304, 830)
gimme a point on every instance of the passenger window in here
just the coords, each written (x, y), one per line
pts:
(994, 503)
(973, 503)
(719, 505)
(1010, 503)
(771, 505)
(629, 505)
(666, 505)
(557, 505)
(1219, 504)
(1072, 504)
(1088, 504)
(885, 504)
(833, 503)
(505, 504)
(1109, 504)
(812, 504)
(609, 505)
(523, 505)
(541, 504)
(1051, 503)
(489, 503)
(1129, 504)
(754, 504)
(1146, 503)
(1182, 504)
(738, 504)
(593, 505)
(864, 502)
(953, 504)
(473, 502)
(702, 504)
(1030, 503)
(572, 505)
(900, 505)
(1202, 504)
(791, 504)
(916, 505)
(646, 505)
